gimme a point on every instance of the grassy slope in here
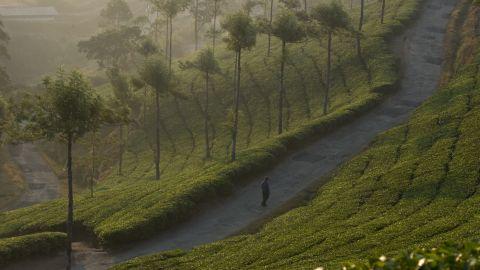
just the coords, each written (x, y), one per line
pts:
(417, 185)
(138, 207)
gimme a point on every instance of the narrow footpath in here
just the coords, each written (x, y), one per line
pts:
(42, 184)
(421, 51)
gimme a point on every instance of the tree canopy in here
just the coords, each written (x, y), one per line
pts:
(68, 109)
(117, 13)
(155, 73)
(287, 27)
(113, 47)
(171, 8)
(241, 31)
(331, 17)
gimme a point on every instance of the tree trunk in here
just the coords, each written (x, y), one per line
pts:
(382, 15)
(207, 101)
(196, 25)
(157, 135)
(269, 31)
(305, 6)
(167, 42)
(281, 93)
(155, 37)
(120, 155)
(214, 37)
(329, 67)
(170, 48)
(236, 106)
(70, 203)
(360, 28)
(92, 179)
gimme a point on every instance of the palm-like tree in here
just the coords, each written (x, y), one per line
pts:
(329, 19)
(208, 66)
(242, 34)
(155, 74)
(288, 29)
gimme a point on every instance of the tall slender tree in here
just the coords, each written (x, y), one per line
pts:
(288, 29)
(68, 110)
(208, 66)
(171, 8)
(123, 96)
(216, 8)
(155, 74)
(329, 19)
(270, 22)
(242, 34)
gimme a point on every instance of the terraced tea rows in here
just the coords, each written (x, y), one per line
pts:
(134, 210)
(416, 186)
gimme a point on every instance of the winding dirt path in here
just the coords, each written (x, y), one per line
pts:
(42, 184)
(421, 50)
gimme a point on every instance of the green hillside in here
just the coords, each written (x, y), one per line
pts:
(415, 186)
(133, 206)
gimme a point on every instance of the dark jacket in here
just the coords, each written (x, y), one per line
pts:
(265, 189)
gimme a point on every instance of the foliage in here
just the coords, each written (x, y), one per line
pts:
(117, 13)
(154, 72)
(416, 186)
(205, 62)
(112, 47)
(448, 256)
(67, 109)
(287, 27)
(331, 18)
(170, 8)
(134, 207)
(242, 33)
(18, 248)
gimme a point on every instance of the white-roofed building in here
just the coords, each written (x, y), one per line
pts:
(27, 13)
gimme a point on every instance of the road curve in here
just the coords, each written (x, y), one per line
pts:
(421, 51)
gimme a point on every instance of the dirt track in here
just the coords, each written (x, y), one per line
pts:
(41, 183)
(422, 55)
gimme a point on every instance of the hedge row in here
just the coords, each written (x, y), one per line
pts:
(40, 244)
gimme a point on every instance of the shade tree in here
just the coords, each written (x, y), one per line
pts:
(206, 64)
(66, 112)
(241, 35)
(288, 29)
(156, 75)
(329, 19)
(122, 105)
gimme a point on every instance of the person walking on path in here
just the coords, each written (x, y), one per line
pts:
(265, 191)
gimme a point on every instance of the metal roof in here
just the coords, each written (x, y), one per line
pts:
(24, 11)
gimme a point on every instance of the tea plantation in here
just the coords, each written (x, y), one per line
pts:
(416, 186)
(133, 207)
